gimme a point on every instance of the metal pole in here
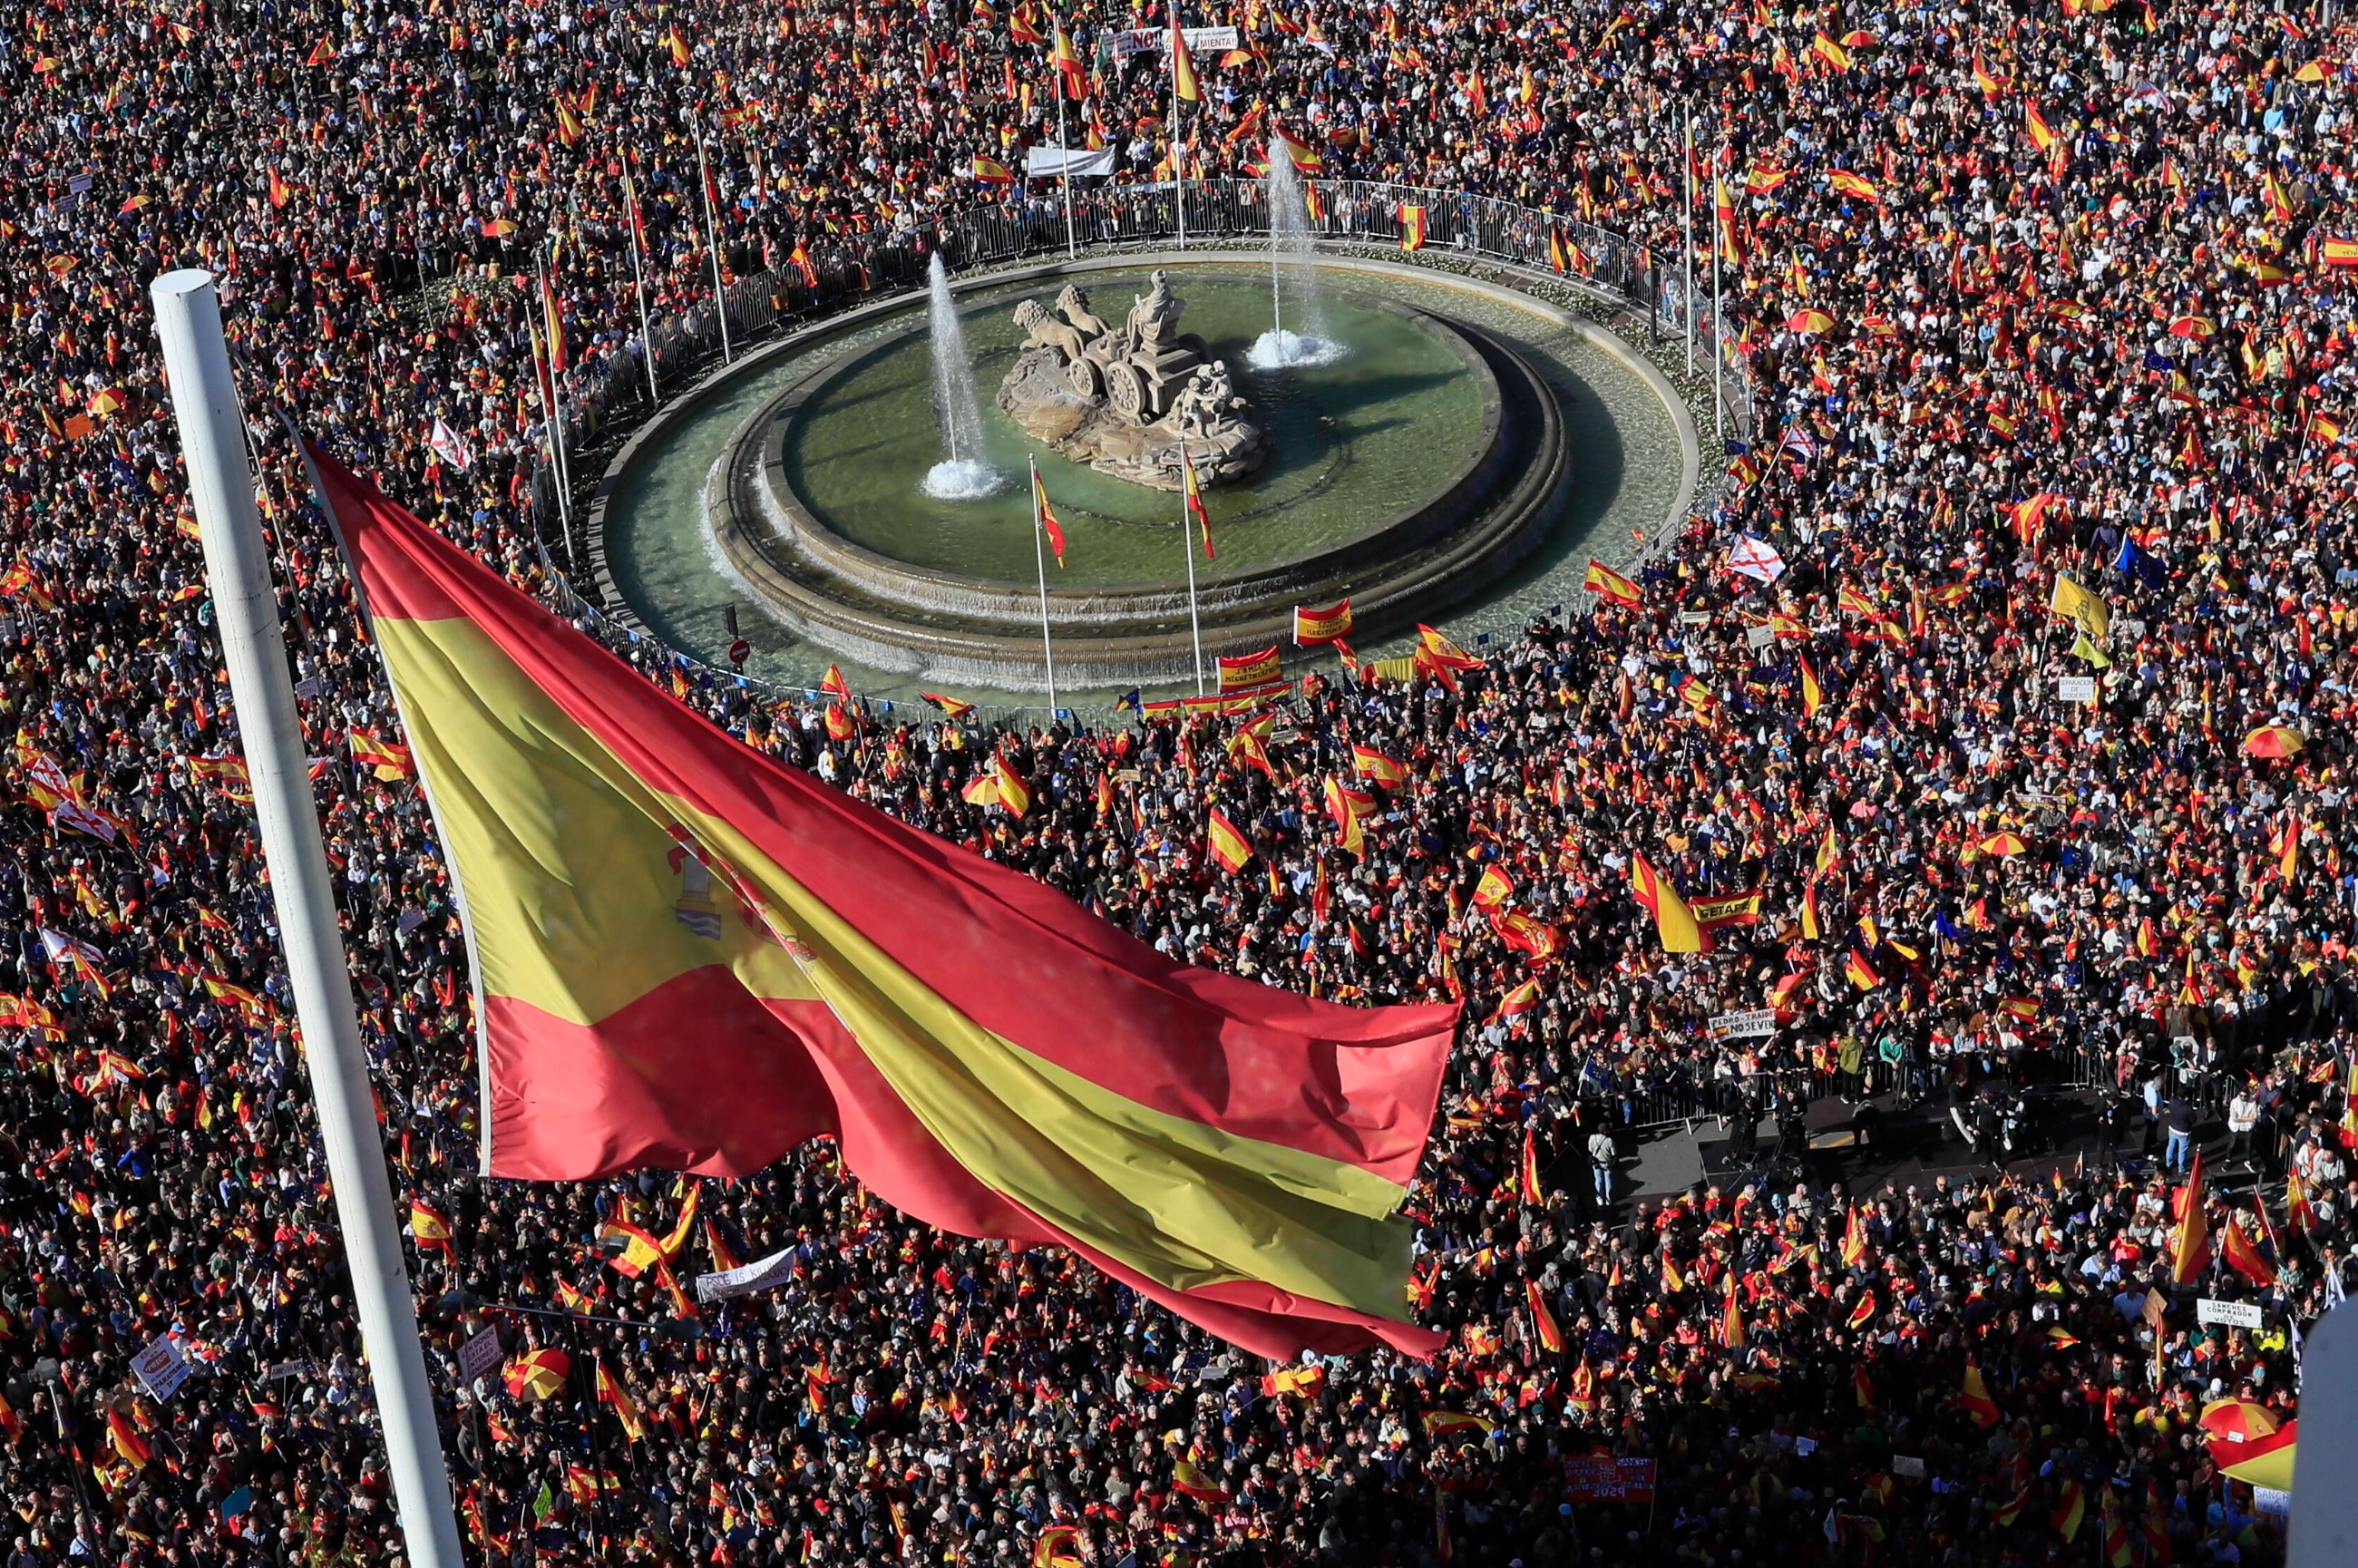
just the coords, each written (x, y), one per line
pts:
(639, 280)
(1188, 549)
(1718, 329)
(1064, 152)
(237, 569)
(1040, 559)
(545, 372)
(1178, 168)
(1178, 155)
(712, 242)
(1686, 286)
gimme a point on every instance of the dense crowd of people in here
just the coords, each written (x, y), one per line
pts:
(2026, 294)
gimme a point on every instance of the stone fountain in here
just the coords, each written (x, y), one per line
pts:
(1127, 400)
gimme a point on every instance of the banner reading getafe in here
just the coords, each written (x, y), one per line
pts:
(689, 954)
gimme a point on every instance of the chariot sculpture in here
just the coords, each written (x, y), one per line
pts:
(1128, 399)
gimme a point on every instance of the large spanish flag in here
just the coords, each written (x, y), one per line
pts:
(687, 954)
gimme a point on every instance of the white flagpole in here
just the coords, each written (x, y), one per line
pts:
(712, 238)
(542, 374)
(1063, 151)
(237, 569)
(1178, 154)
(1040, 558)
(1686, 289)
(639, 278)
(554, 399)
(1188, 549)
(1720, 227)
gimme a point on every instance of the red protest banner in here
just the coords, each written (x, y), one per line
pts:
(1601, 1478)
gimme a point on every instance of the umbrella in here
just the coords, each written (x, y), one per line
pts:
(2192, 327)
(1810, 322)
(2264, 1461)
(2238, 1420)
(2274, 740)
(2002, 844)
(1859, 38)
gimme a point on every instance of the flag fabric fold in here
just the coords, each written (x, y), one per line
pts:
(687, 954)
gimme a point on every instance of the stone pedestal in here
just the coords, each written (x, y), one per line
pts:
(1137, 401)
(1038, 395)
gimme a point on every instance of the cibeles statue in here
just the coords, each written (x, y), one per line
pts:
(1123, 399)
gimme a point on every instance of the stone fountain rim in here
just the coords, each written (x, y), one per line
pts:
(775, 421)
(1503, 282)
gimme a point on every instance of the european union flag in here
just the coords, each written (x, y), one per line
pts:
(2139, 564)
(1131, 701)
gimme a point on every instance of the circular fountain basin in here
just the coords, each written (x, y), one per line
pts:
(1423, 457)
(656, 547)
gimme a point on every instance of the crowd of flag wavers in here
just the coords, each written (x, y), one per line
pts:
(1990, 730)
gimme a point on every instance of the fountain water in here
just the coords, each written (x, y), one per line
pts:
(1290, 253)
(961, 475)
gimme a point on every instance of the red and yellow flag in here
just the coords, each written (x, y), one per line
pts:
(2070, 1511)
(1072, 75)
(1191, 495)
(1370, 763)
(1250, 672)
(2189, 1240)
(430, 1227)
(1976, 1398)
(123, 1433)
(1046, 515)
(385, 759)
(993, 1059)
(1673, 920)
(1315, 627)
(2042, 135)
(612, 1392)
(1605, 581)
(1544, 1323)
(1227, 843)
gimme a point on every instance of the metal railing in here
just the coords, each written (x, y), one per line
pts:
(1621, 276)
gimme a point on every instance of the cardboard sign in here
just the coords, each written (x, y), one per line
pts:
(1755, 1024)
(1601, 1478)
(2075, 688)
(1907, 1464)
(2235, 1314)
(161, 1368)
(480, 1355)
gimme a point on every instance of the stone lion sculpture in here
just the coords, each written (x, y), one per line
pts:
(1073, 305)
(1045, 331)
